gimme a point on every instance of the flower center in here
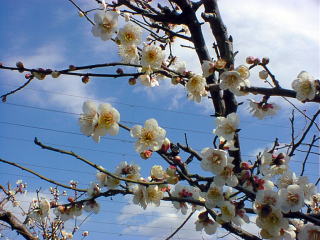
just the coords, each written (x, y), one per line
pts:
(147, 136)
(106, 119)
(129, 37)
(306, 86)
(152, 55)
(214, 193)
(215, 159)
(293, 198)
(106, 25)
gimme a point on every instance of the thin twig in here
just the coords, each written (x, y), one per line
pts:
(181, 226)
(40, 176)
(307, 155)
(4, 96)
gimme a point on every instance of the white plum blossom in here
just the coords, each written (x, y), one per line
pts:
(263, 74)
(207, 68)
(152, 56)
(129, 54)
(244, 71)
(234, 80)
(196, 87)
(149, 137)
(226, 176)
(228, 211)
(130, 171)
(130, 34)
(157, 172)
(274, 164)
(93, 190)
(106, 24)
(89, 119)
(92, 206)
(227, 126)
(214, 196)
(40, 209)
(98, 122)
(213, 160)
(291, 198)
(241, 217)
(154, 195)
(204, 222)
(309, 232)
(148, 81)
(140, 195)
(271, 220)
(266, 197)
(262, 110)
(107, 181)
(187, 192)
(178, 66)
(305, 87)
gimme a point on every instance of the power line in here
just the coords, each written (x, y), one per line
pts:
(115, 153)
(140, 106)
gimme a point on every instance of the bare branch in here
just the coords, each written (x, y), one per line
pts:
(40, 176)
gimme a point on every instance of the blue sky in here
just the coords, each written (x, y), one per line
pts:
(50, 34)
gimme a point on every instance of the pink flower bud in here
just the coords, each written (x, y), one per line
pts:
(146, 154)
(250, 60)
(165, 145)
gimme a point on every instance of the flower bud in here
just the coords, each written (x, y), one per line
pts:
(263, 74)
(165, 145)
(256, 61)
(177, 159)
(175, 80)
(132, 81)
(55, 74)
(81, 14)
(27, 76)
(85, 79)
(245, 165)
(85, 233)
(265, 60)
(72, 67)
(20, 66)
(146, 154)
(171, 171)
(250, 60)
(71, 199)
(119, 71)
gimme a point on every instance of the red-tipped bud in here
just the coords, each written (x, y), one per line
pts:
(72, 67)
(250, 60)
(132, 81)
(177, 159)
(70, 199)
(119, 71)
(85, 79)
(256, 61)
(20, 66)
(165, 145)
(27, 76)
(265, 60)
(146, 154)
(245, 166)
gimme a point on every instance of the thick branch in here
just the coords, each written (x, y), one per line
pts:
(16, 225)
